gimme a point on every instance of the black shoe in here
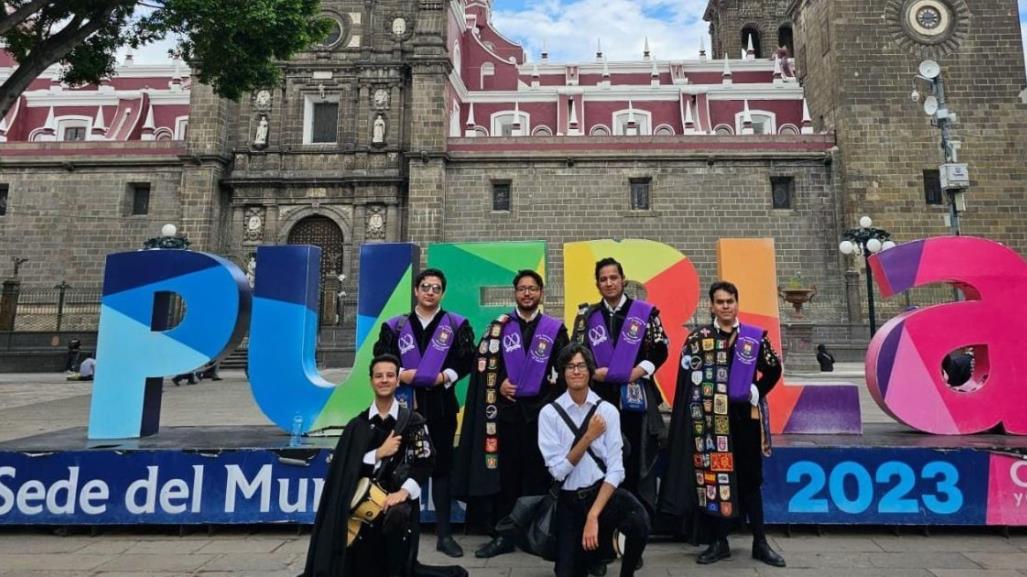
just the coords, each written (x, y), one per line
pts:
(215, 378)
(717, 550)
(598, 570)
(761, 551)
(638, 566)
(449, 546)
(497, 546)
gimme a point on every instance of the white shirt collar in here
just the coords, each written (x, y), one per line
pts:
(620, 303)
(538, 310)
(393, 410)
(567, 402)
(733, 327)
(425, 321)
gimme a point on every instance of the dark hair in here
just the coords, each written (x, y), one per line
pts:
(725, 286)
(534, 275)
(567, 353)
(608, 261)
(385, 358)
(430, 272)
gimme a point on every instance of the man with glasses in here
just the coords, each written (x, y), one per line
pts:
(579, 437)
(437, 349)
(498, 460)
(627, 338)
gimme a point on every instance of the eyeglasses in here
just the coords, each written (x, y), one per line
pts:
(576, 367)
(434, 288)
(528, 289)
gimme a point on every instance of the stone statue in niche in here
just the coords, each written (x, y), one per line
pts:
(260, 139)
(378, 133)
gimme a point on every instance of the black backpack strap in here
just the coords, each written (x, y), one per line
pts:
(579, 432)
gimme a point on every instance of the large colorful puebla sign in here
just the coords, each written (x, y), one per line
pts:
(847, 482)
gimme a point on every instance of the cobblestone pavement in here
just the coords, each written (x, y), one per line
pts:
(33, 403)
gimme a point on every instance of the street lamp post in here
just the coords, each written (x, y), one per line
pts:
(169, 238)
(868, 241)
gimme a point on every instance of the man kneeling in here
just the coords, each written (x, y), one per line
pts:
(389, 445)
(580, 440)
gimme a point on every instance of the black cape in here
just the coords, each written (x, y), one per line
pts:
(471, 475)
(326, 555)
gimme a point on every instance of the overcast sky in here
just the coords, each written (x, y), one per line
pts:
(570, 28)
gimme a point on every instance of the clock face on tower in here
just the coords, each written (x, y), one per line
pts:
(928, 19)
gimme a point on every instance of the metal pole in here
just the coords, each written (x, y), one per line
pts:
(60, 303)
(946, 151)
(870, 293)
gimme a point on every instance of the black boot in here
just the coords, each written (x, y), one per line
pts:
(717, 550)
(497, 546)
(597, 569)
(761, 551)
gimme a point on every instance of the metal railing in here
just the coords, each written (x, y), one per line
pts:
(63, 307)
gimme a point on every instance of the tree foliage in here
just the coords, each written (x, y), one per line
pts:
(232, 45)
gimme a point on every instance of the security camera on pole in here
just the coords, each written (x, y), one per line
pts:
(955, 177)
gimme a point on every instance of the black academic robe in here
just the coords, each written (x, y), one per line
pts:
(327, 553)
(678, 496)
(642, 432)
(438, 404)
(472, 476)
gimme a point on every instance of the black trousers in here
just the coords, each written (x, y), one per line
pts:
(521, 468)
(623, 512)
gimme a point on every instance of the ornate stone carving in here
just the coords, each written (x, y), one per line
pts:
(253, 223)
(380, 99)
(262, 100)
(375, 222)
(260, 138)
(378, 132)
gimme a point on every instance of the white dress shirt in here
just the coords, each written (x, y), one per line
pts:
(646, 366)
(555, 441)
(370, 457)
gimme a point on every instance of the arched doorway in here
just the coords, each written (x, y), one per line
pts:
(322, 231)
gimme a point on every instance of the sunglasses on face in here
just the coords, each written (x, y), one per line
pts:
(432, 288)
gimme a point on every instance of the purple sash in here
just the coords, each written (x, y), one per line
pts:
(527, 369)
(743, 365)
(430, 364)
(620, 360)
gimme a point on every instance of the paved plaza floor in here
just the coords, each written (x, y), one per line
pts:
(38, 403)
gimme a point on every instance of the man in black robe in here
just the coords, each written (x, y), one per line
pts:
(498, 460)
(389, 444)
(715, 468)
(641, 429)
(438, 403)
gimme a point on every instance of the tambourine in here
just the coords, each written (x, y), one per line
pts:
(366, 505)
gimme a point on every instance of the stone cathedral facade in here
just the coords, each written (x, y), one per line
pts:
(417, 120)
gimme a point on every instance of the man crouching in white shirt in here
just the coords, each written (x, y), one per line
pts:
(586, 456)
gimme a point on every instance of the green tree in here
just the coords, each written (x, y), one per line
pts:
(232, 45)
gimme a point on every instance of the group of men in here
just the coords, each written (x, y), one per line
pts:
(576, 413)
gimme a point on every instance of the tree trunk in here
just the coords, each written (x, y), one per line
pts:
(48, 52)
(20, 15)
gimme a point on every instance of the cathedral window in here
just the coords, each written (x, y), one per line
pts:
(932, 187)
(503, 123)
(640, 193)
(751, 32)
(3, 199)
(501, 195)
(782, 188)
(321, 119)
(72, 129)
(762, 122)
(138, 198)
(623, 118)
(784, 38)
